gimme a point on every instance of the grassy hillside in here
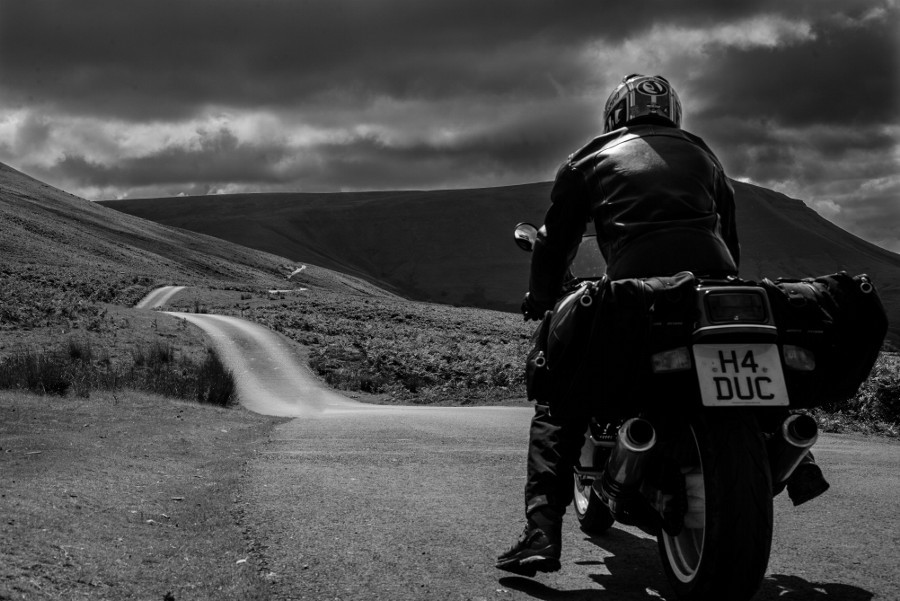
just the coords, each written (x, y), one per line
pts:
(70, 268)
(455, 246)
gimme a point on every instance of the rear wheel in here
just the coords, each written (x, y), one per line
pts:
(592, 514)
(723, 549)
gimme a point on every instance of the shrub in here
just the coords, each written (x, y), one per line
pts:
(157, 354)
(876, 406)
(154, 369)
(215, 384)
(38, 372)
(79, 350)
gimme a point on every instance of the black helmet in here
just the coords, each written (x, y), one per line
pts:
(641, 96)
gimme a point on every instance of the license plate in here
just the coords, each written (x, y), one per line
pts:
(740, 374)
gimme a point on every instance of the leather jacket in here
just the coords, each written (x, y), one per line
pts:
(660, 203)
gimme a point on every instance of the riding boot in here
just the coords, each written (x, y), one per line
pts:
(538, 547)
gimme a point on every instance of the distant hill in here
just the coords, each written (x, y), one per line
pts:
(53, 242)
(455, 246)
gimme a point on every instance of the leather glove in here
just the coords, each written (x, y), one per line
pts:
(531, 310)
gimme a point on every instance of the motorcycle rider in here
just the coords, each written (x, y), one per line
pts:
(661, 204)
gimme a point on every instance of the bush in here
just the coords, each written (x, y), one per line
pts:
(153, 369)
(215, 384)
(154, 356)
(37, 372)
(882, 389)
(876, 406)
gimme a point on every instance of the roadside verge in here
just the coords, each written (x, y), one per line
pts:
(124, 496)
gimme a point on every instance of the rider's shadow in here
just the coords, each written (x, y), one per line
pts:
(635, 574)
(782, 587)
(633, 565)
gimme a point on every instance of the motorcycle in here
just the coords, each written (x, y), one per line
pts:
(697, 461)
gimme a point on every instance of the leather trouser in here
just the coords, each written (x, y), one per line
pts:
(553, 448)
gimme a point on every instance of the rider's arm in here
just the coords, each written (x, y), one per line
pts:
(558, 239)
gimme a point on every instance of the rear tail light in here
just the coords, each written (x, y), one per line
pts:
(797, 357)
(729, 307)
(678, 359)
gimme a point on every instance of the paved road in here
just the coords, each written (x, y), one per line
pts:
(354, 501)
(415, 503)
(159, 297)
(270, 379)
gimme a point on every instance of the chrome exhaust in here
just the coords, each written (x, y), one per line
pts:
(625, 468)
(790, 444)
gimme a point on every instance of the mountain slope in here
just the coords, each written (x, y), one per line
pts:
(47, 228)
(455, 246)
(59, 253)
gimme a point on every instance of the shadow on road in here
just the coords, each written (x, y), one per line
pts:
(635, 574)
(794, 588)
(548, 593)
(633, 566)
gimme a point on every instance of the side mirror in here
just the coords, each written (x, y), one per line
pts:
(525, 234)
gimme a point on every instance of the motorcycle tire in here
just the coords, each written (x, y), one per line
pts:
(593, 515)
(723, 550)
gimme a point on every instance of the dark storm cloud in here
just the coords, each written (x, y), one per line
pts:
(217, 157)
(850, 77)
(150, 97)
(164, 59)
(505, 152)
(764, 152)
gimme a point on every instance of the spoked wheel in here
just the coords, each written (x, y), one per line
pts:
(723, 549)
(592, 514)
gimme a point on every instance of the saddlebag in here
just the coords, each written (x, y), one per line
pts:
(840, 319)
(558, 345)
(591, 349)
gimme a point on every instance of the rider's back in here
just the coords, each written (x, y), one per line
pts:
(660, 202)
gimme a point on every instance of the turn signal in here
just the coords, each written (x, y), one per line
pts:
(678, 359)
(799, 358)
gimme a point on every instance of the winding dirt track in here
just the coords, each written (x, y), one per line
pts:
(159, 297)
(270, 379)
(355, 501)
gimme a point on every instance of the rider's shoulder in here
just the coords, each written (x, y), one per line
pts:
(623, 135)
(599, 143)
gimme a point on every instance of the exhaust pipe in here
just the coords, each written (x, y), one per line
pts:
(790, 444)
(625, 467)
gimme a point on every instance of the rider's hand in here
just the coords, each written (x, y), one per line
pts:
(531, 310)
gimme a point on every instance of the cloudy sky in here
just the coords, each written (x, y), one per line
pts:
(144, 98)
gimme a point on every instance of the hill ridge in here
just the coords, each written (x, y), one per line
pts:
(455, 246)
(52, 242)
(446, 246)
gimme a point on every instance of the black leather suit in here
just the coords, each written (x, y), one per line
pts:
(660, 203)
